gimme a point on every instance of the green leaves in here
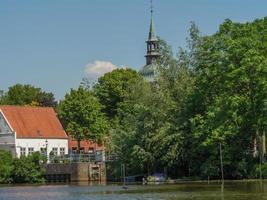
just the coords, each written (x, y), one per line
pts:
(21, 170)
(27, 95)
(81, 115)
(113, 87)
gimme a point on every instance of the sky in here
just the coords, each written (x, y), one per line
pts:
(53, 44)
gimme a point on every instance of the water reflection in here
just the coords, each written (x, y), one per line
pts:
(214, 190)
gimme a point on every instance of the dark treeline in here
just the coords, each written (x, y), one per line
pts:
(212, 93)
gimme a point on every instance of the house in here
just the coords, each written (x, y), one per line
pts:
(26, 129)
(88, 148)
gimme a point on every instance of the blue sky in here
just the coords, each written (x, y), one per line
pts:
(49, 43)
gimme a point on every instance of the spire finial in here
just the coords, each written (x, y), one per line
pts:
(151, 7)
(152, 35)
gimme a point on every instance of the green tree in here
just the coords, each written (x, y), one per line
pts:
(81, 115)
(27, 95)
(231, 94)
(112, 88)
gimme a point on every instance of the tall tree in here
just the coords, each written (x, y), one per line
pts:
(231, 93)
(112, 88)
(81, 114)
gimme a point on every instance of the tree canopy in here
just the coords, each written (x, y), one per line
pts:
(27, 95)
(81, 114)
(213, 92)
(112, 87)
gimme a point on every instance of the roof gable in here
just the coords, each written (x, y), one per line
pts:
(34, 122)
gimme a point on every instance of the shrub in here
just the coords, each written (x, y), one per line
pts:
(263, 170)
(6, 166)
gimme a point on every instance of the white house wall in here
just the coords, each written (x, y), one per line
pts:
(37, 144)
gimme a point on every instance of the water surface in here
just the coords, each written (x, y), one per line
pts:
(240, 190)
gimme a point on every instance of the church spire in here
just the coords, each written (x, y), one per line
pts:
(152, 42)
(152, 34)
(150, 70)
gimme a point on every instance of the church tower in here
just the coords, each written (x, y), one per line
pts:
(150, 69)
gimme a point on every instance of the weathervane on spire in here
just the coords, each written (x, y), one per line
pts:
(151, 6)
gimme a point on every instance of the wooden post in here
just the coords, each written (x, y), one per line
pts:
(221, 162)
(123, 165)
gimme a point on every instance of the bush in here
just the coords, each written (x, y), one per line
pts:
(6, 166)
(263, 170)
(29, 169)
(21, 170)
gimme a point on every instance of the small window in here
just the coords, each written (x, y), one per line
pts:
(62, 151)
(43, 151)
(82, 150)
(74, 150)
(54, 149)
(22, 151)
(30, 151)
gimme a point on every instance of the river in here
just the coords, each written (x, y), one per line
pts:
(238, 190)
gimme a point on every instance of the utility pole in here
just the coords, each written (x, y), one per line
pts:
(221, 162)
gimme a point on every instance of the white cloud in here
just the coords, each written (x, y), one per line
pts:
(98, 68)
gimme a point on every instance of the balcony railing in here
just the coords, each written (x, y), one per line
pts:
(98, 156)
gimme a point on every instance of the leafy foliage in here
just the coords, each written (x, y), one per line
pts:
(27, 95)
(112, 88)
(81, 115)
(213, 92)
(21, 170)
(6, 167)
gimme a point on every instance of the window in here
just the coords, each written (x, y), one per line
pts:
(82, 150)
(43, 151)
(74, 150)
(54, 149)
(22, 151)
(62, 151)
(30, 150)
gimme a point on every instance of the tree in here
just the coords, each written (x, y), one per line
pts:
(231, 94)
(27, 95)
(82, 117)
(112, 88)
(46, 99)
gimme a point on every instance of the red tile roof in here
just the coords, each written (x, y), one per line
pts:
(86, 144)
(34, 122)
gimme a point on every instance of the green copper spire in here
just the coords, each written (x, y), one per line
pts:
(150, 70)
(152, 34)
